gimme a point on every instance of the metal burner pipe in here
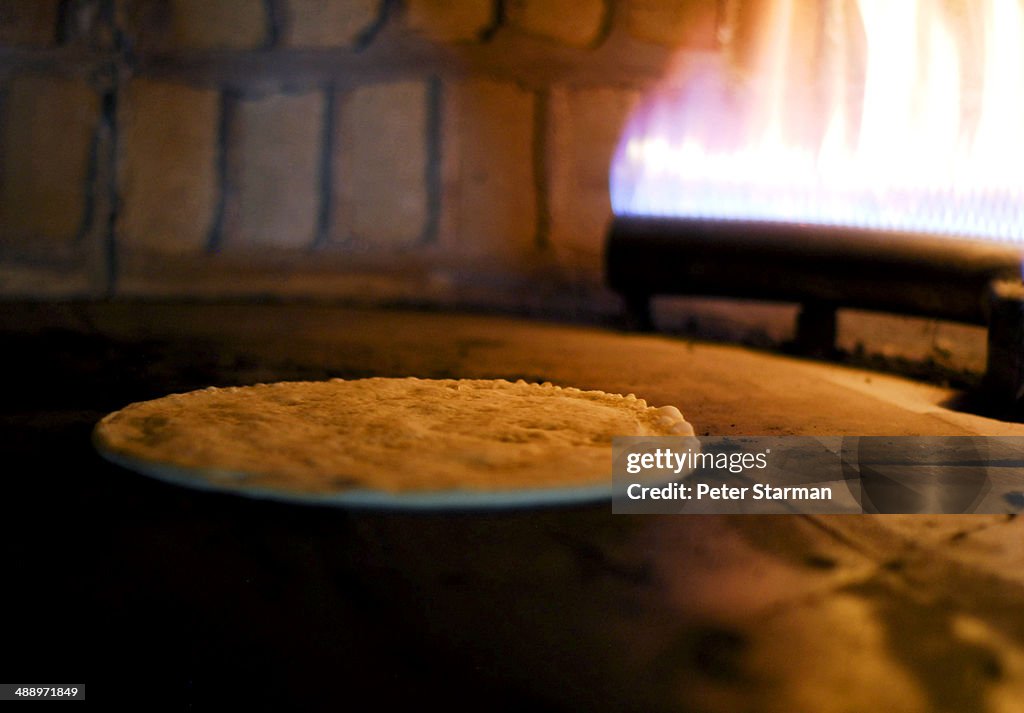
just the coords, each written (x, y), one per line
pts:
(809, 264)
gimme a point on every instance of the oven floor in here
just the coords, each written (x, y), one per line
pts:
(139, 589)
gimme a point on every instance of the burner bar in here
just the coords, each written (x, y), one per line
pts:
(824, 268)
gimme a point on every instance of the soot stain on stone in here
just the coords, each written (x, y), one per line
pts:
(894, 565)
(710, 650)
(1015, 499)
(953, 673)
(718, 653)
(595, 562)
(822, 562)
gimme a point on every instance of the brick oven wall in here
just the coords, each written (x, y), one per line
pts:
(447, 152)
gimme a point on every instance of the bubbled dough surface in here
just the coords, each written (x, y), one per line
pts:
(388, 434)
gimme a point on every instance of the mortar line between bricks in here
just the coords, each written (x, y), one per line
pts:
(4, 99)
(607, 24)
(110, 102)
(276, 18)
(60, 32)
(226, 106)
(368, 35)
(343, 228)
(325, 209)
(91, 189)
(541, 165)
(497, 21)
(432, 175)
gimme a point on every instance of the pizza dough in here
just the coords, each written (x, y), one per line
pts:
(391, 435)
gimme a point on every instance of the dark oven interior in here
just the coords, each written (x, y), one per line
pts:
(226, 193)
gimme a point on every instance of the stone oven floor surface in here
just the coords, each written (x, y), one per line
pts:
(194, 599)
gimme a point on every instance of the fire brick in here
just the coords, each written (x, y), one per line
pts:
(676, 23)
(328, 23)
(273, 193)
(583, 130)
(49, 128)
(489, 186)
(168, 174)
(443, 21)
(381, 165)
(225, 24)
(573, 22)
(29, 24)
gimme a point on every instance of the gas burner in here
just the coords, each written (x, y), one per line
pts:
(824, 268)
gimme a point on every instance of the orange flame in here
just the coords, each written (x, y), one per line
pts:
(901, 115)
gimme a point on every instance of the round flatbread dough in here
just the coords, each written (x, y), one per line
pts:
(391, 435)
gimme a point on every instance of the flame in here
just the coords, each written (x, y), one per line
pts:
(885, 115)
